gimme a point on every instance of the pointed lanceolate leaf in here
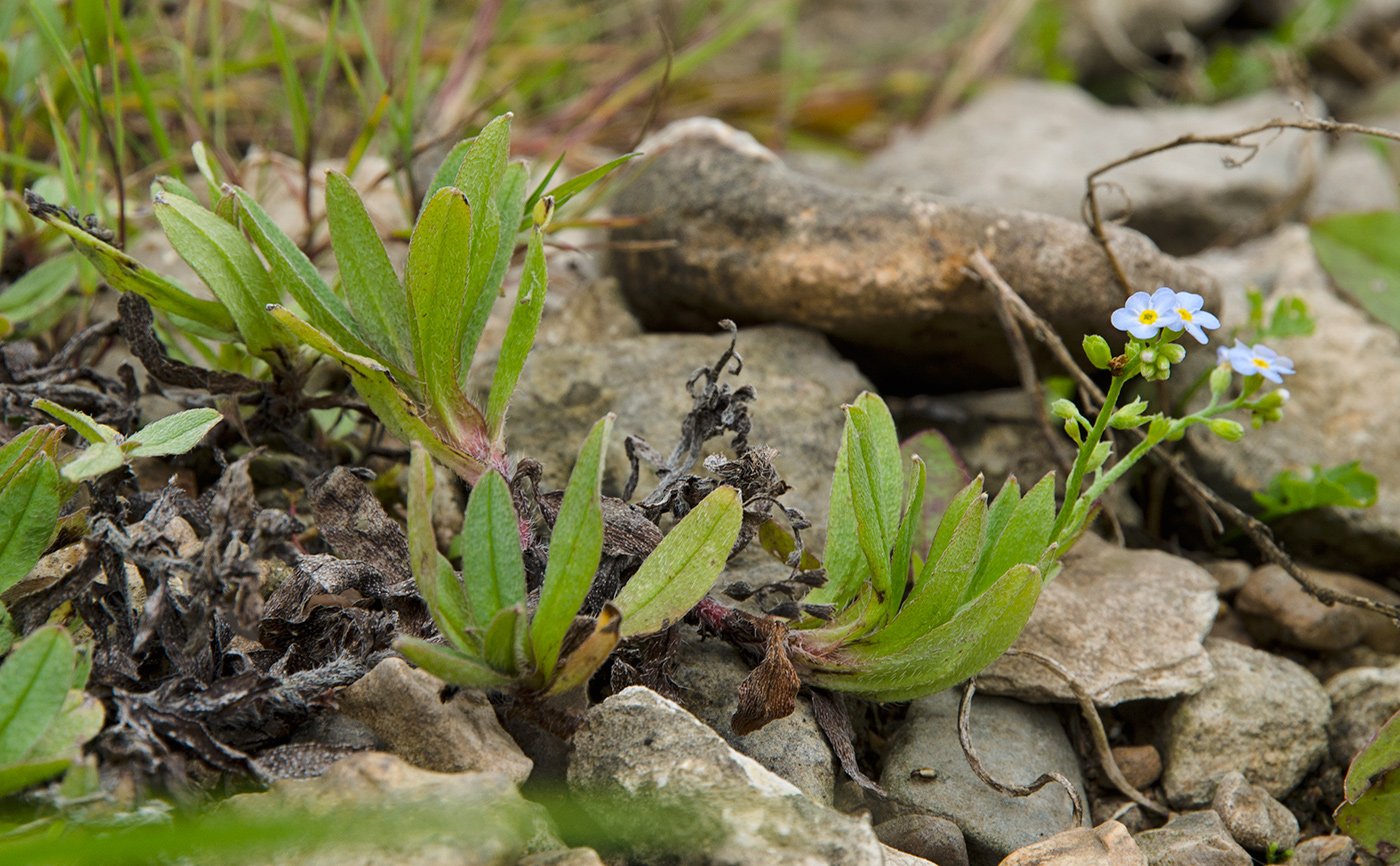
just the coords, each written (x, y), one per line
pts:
(95, 460)
(203, 317)
(437, 274)
(226, 263)
(867, 484)
(520, 336)
(948, 524)
(437, 582)
(34, 681)
(997, 516)
(575, 547)
(293, 273)
(1024, 538)
(83, 424)
(173, 434)
(845, 563)
(492, 569)
(389, 403)
(947, 477)
(29, 504)
(498, 648)
(480, 178)
(683, 566)
(572, 187)
(576, 670)
(372, 289)
(446, 175)
(450, 665)
(940, 591)
(904, 539)
(890, 494)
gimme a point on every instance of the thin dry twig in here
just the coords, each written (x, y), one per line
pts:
(1102, 749)
(659, 96)
(965, 738)
(1238, 139)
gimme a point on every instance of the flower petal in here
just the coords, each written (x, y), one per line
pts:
(1144, 332)
(1190, 301)
(1138, 302)
(1205, 319)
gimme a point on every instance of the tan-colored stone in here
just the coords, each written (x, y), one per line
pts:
(1275, 607)
(1108, 844)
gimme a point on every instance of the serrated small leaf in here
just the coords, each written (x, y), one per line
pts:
(1024, 537)
(450, 665)
(520, 336)
(226, 262)
(34, 682)
(29, 505)
(683, 566)
(95, 460)
(83, 424)
(436, 276)
(492, 568)
(438, 584)
(575, 546)
(376, 297)
(174, 434)
(578, 667)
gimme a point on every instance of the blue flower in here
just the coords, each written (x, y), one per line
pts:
(1143, 315)
(1260, 360)
(1193, 318)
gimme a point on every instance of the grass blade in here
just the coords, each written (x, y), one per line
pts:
(683, 566)
(575, 547)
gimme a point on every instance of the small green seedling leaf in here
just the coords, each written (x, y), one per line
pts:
(372, 289)
(572, 187)
(450, 665)
(437, 274)
(1346, 486)
(29, 505)
(492, 569)
(683, 566)
(903, 557)
(438, 584)
(575, 547)
(83, 424)
(34, 681)
(174, 434)
(95, 460)
(520, 336)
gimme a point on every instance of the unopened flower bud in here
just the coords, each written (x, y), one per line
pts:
(1173, 352)
(1148, 356)
(544, 211)
(1220, 379)
(1063, 408)
(1226, 429)
(1097, 351)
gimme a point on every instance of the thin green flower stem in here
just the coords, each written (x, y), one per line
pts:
(1086, 451)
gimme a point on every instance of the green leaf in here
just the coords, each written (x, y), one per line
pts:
(480, 177)
(1025, 536)
(33, 685)
(779, 542)
(24, 447)
(207, 167)
(575, 547)
(876, 522)
(947, 477)
(1371, 813)
(390, 405)
(294, 274)
(1379, 757)
(450, 665)
(997, 516)
(1361, 251)
(437, 274)
(683, 566)
(226, 262)
(1346, 486)
(492, 568)
(539, 192)
(79, 720)
(437, 582)
(95, 460)
(572, 187)
(18, 776)
(520, 337)
(446, 175)
(902, 559)
(29, 505)
(372, 289)
(944, 656)
(39, 288)
(83, 424)
(484, 164)
(940, 589)
(207, 318)
(501, 639)
(846, 569)
(174, 434)
(948, 524)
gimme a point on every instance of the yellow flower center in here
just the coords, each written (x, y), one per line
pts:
(1184, 314)
(1261, 363)
(1147, 317)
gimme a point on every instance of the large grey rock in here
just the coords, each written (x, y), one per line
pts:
(1108, 844)
(1128, 624)
(670, 787)
(1261, 715)
(886, 274)
(801, 384)
(709, 673)
(503, 826)
(1193, 839)
(1029, 145)
(1341, 409)
(1275, 607)
(1352, 177)
(927, 836)
(1017, 743)
(1363, 699)
(403, 706)
(1257, 821)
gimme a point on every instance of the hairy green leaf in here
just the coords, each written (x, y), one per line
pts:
(903, 555)
(174, 434)
(1371, 812)
(95, 460)
(947, 477)
(77, 721)
(948, 524)
(683, 566)
(1361, 251)
(499, 646)
(520, 336)
(34, 681)
(575, 547)
(492, 568)
(1003, 506)
(479, 178)
(1024, 537)
(867, 485)
(844, 560)
(27, 445)
(446, 174)
(450, 665)
(227, 264)
(437, 275)
(438, 584)
(372, 289)
(29, 504)
(83, 424)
